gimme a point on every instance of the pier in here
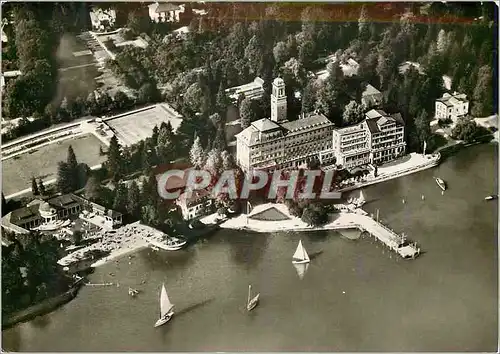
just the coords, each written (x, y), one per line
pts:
(353, 219)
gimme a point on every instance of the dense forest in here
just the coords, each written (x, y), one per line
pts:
(30, 272)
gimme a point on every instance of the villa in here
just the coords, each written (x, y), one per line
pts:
(194, 205)
(102, 19)
(452, 106)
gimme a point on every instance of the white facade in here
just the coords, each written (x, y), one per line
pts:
(352, 145)
(378, 139)
(165, 12)
(278, 101)
(386, 136)
(452, 106)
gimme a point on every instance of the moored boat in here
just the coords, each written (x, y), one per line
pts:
(491, 197)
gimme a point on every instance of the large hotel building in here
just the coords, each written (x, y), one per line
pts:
(276, 143)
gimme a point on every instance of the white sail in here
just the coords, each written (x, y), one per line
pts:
(300, 253)
(165, 304)
(301, 269)
(361, 197)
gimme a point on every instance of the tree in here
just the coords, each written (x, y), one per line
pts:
(71, 159)
(93, 189)
(65, 181)
(483, 97)
(196, 154)
(121, 197)
(34, 187)
(165, 144)
(134, 200)
(247, 113)
(114, 164)
(353, 113)
(308, 98)
(121, 100)
(363, 24)
(422, 127)
(314, 214)
(220, 139)
(41, 187)
(148, 93)
(138, 23)
(281, 53)
(213, 163)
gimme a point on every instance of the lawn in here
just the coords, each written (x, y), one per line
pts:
(42, 163)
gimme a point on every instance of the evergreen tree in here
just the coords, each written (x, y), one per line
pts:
(93, 189)
(134, 200)
(196, 154)
(34, 187)
(41, 187)
(121, 197)
(114, 163)
(65, 180)
(71, 159)
(247, 113)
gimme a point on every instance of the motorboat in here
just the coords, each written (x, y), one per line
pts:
(491, 197)
(440, 183)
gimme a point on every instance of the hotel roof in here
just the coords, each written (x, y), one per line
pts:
(377, 118)
(312, 121)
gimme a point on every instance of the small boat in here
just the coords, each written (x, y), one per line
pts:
(133, 292)
(174, 244)
(166, 308)
(491, 197)
(252, 302)
(300, 256)
(440, 183)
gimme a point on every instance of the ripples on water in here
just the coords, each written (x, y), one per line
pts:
(355, 295)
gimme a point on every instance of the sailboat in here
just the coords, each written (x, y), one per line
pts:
(252, 302)
(166, 308)
(361, 199)
(300, 256)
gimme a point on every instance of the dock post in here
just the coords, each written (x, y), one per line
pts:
(377, 214)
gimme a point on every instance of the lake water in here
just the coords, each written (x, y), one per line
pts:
(355, 296)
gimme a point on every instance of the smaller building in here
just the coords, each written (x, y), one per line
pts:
(195, 205)
(102, 19)
(54, 210)
(386, 136)
(252, 90)
(452, 106)
(352, 145)
(165, 12)
(371, 97)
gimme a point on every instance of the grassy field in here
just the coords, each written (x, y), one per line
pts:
(42, 163)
